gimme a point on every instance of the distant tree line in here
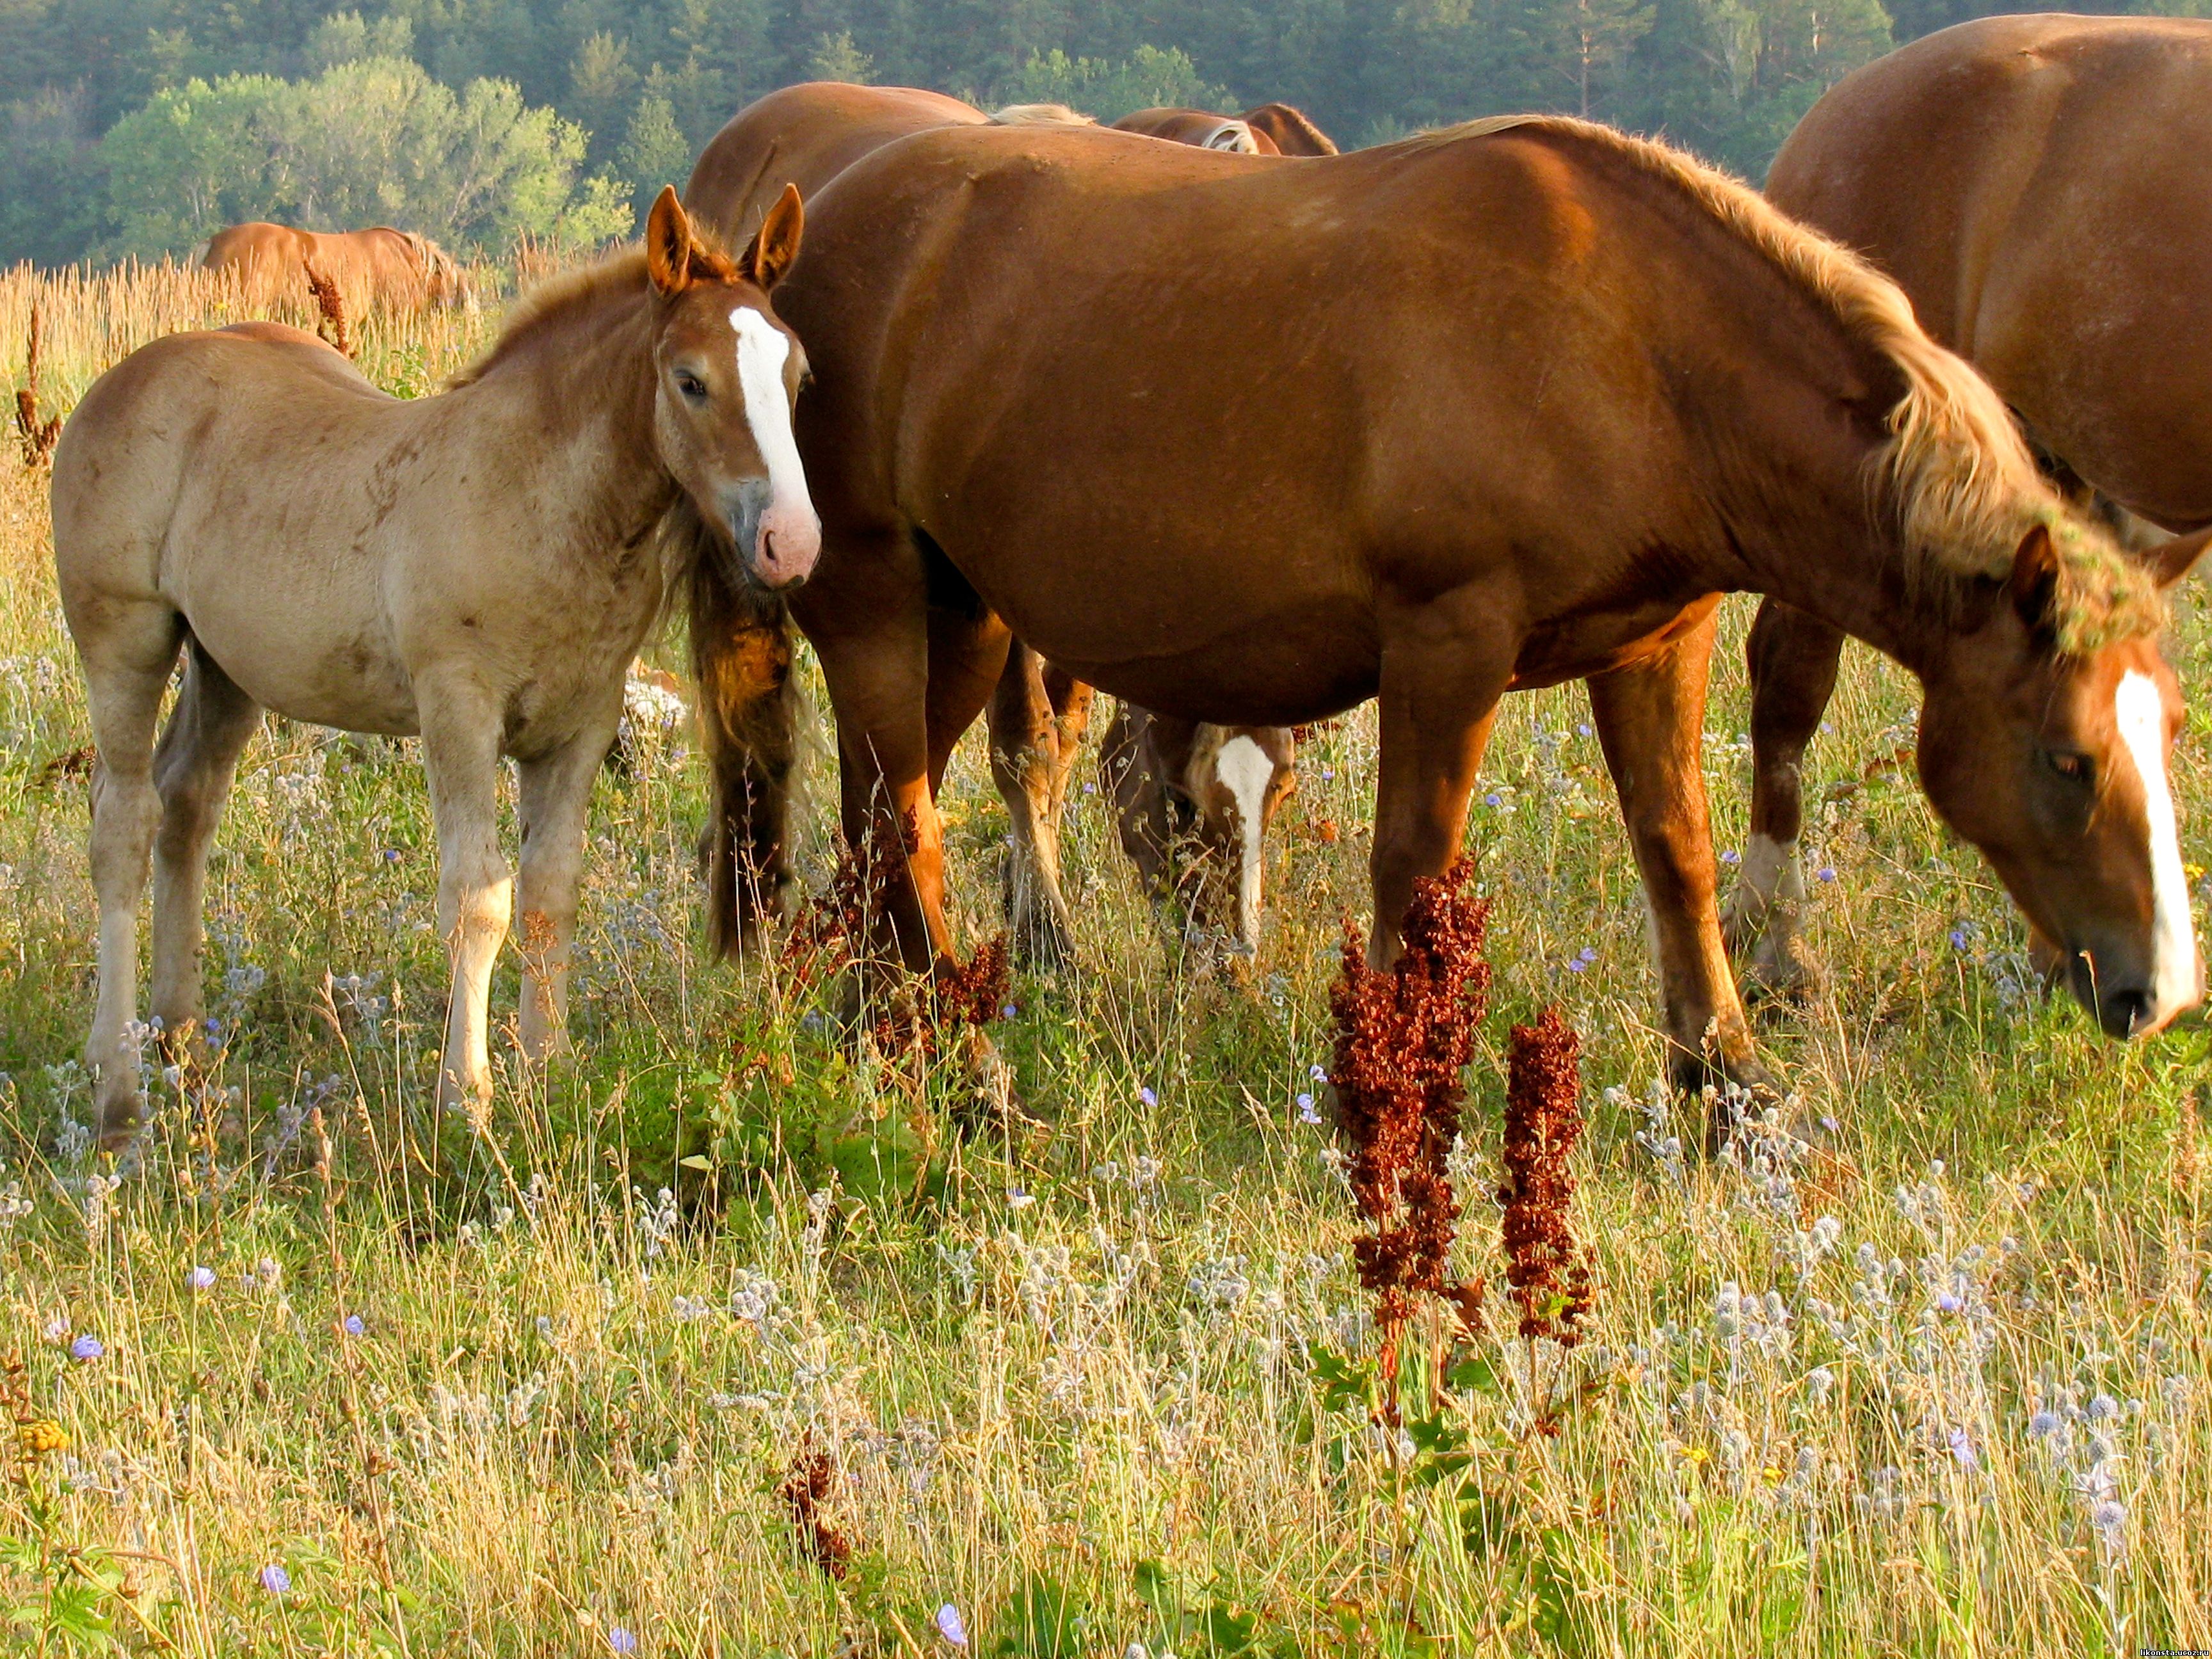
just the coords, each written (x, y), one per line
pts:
(139, 125)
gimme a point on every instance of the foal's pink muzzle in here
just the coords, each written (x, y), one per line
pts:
(787, 544)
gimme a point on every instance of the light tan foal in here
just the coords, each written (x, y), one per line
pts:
(478, 567)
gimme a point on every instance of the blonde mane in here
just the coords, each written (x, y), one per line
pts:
(1956, 472)
(1041, 115)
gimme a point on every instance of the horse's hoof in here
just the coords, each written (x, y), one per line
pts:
(1043, 946)
(1779, 973)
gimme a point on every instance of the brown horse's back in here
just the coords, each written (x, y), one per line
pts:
(805, 136)
(2039, 185)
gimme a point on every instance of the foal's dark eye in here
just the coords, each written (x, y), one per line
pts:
(2075, 768)
(691, 386)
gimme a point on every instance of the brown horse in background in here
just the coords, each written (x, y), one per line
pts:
(395, 269)
(1270, 130)
(2039, 186)
(1557, 390)
(1193, 830)
(477, 568)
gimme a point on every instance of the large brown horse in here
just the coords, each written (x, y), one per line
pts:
(1270, 130)
(1193, 801)
(396, 270)
(1556, 390)
(477, 567)
(2039, 188)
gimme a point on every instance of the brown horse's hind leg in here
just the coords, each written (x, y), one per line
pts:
(1650, 720)
(553, 803)
(1793, 659)
(1439, 700)
(1038, 717)
(208, 730)
(127, 662)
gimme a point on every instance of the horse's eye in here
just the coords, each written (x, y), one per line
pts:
(691, 386)
(2075, 768)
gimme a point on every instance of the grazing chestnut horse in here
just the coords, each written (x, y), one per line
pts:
(2037, 185)
(1270, 130)
(478, 567)
(396, 269)
(1192, 828)
(1496, 407)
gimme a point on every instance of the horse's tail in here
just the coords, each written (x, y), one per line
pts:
(741, 657)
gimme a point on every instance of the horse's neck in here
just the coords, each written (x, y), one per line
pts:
(578, 399)
(1809, 527)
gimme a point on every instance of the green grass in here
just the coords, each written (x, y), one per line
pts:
(1088, 1375)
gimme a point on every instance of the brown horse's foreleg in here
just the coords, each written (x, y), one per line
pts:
(476, 894)
(1793, 658)
(553, 803)
(1650, 720)
(208, 730)
(877, 684)
(1038, 717)
(1439, 700)
(968, 654)
(126, 669)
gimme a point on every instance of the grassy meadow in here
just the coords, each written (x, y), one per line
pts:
(722, 1302)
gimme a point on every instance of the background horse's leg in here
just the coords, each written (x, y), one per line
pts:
(1442, 675)
(476, 894)
(1038, 716)
(208, 730)
(553, 803)
(1793, 658)
(126, 668)
(1129, 776)
(1650, 720)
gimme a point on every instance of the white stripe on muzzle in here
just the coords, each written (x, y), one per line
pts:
(2140, 713)
(762, 349)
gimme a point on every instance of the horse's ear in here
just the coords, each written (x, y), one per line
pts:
(2034, 585)
(668, 243)
(2170, 562)
(777, 244)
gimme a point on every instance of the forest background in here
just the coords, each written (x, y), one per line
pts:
(137, 127)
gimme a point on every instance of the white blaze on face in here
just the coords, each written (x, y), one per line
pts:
(762, 350)
(2140, 713)
(1245, 771)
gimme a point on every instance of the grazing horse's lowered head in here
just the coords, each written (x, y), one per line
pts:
(2045, 741)
(727, 374)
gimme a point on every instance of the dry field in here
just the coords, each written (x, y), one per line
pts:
(318, 1374)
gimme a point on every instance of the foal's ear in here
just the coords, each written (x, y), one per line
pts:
(2034, 585)
(777, 244)
(2171, 560)
(668, 243)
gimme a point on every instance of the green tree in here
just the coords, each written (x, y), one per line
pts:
(654, 151)
(835, 57)
(1148, 77)
(373, 141)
